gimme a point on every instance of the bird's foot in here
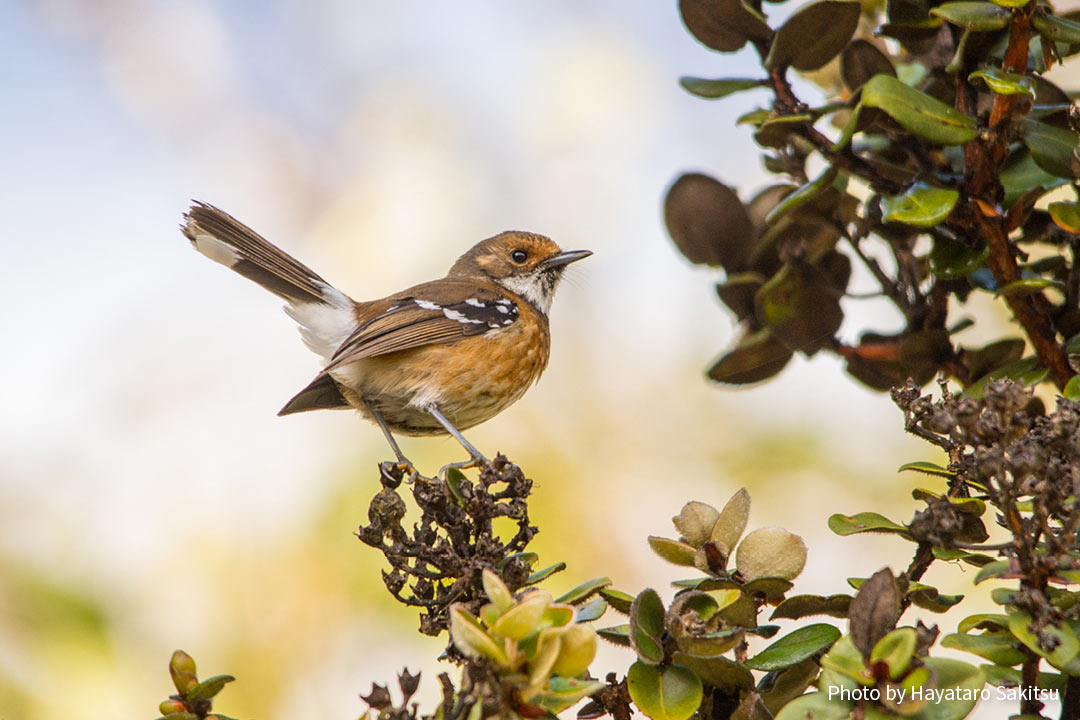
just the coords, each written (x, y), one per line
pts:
(477, 460)
(392, 473)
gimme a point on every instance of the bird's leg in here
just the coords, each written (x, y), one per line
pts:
(402, 461)
(476, 458)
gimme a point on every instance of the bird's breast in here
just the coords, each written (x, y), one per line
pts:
(471, 379)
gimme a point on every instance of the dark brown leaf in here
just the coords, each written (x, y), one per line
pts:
(763, 203)
(922, 353)
(757, 357)
(874, 610)
(860, 61)
(813, 35)
(800, 606)
(708, 222)
(993, 356)
(723, 25)
(802, 311)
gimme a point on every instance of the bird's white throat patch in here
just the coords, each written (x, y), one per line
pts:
(532, 287)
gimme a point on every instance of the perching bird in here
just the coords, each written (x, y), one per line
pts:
(436, 358)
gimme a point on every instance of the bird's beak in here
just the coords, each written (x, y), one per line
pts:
(564, 258)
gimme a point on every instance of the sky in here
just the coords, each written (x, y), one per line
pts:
(142, 468)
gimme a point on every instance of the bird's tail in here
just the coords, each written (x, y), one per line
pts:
(224, 239)
(324, 313)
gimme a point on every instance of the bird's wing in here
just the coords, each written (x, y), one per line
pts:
(438, 312)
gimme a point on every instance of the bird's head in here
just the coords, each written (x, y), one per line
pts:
(526, 264)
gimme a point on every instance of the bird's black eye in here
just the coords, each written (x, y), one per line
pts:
(519, 256)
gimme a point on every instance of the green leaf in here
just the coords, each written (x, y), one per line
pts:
(815, 706)
(985, 621)
(672, 694)
(455, 479)
(948, 555)
(563, 692)
(647, 626)
(1071, 391)
(928, 468)
(966, 679)
(920, 206)
(527, 559)
(1029, 284)
(618, 600)
(1051, 147)
(541, 575)
(863, 522)
(1066, 215)
(895, 650)
(795, 647)
(1068, 646)
(1020, 174)
(592, 610)
(804, 194)
(830, 23)
(845, 660)
(1012, 678)
(717, 671)
(1005, 83)
(209, 687)
(616, 634)
(1056, 28)
(583, 591)
(496, 590)
(994, 570)
(919, 113)
(978, 16)
(524, 617)
(754, 117)
(997, 647)
(949, 260)
(722, 87)
(470, 637)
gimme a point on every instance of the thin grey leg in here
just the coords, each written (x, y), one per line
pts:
(389, 436)
(477, 456)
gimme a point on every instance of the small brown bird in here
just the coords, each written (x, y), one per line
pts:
(436, 358)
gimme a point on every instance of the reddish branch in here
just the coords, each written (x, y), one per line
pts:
(983, 157)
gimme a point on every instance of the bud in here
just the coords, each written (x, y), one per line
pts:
(171, 706)
(182, 670)
(578, 651)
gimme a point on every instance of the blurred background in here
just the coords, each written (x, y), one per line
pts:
(149, 497)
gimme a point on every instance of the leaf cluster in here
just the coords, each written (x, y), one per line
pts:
(929, 162)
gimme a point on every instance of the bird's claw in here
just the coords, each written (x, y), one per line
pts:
(393, 472)
(475, 461)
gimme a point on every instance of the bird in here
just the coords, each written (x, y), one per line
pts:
(434, 359)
